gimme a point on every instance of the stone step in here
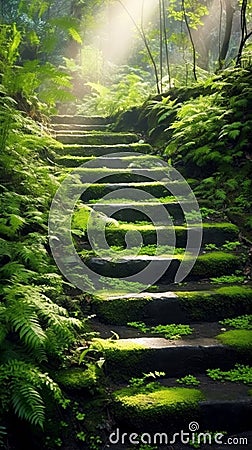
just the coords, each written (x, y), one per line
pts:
(115, 162)
(69, 127)
(214, 233)
(101, 150)
(80, 119)
(78, 137)
(97, 191)
(206, 266)
(177, 306)
(171, 408)
(126, 358)
(110, 175)
(144, 211)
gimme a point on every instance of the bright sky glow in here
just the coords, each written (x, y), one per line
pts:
(117, 35)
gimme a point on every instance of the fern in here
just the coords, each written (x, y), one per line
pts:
(25, 383)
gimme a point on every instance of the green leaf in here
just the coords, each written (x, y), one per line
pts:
(233, 134)
(75, 35)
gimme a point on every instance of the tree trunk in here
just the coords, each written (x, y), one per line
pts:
(228, 29)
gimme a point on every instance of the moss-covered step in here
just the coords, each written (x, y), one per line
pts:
(78, 137)
(240, 340)
(97, 191)
(122, 162)
(218, 407)
(144, 411)
(206, 266)
(215, 233)
(101, 150)
(78, 379)
(95, 138)
(80, 119)
(125, 358)
(127, 175)
(65, 127)
(143, 211)
(174, 306)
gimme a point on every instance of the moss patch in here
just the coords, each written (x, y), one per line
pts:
(240, 340)
(212, 264)
(162, 405)
(98, 150)
(77, 378)
(99, 190)
(123, 358)
(219, 303)
(212, 233)
(120, 310)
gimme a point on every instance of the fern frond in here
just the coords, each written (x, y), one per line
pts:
(27, 402)
(23, 319)
(25, 384)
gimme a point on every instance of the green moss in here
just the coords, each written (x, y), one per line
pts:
(99, 190)
(216, 304)
(164, 404)
(111, 346)
(217, 232)
(99, 150)
(77, 378)
(123, 358)
(240, 340)
(212, 264)
(120, 310)
(219, 303)
(74, 161)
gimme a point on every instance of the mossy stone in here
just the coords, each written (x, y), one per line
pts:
(163, 405)
(240, 340)
(123, 358)
(79, 379)
(212, 264)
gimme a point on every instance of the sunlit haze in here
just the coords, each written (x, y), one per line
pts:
(115, 38)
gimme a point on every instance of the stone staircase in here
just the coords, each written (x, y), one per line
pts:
(197, 302)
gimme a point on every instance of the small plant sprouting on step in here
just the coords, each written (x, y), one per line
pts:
(209, 247)
(144, 384)
(170, 331)
(229, 279)
(239, 323)
(240, 373)
(231, 246)
(188, 380)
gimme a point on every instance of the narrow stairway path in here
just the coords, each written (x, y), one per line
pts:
(197, 303)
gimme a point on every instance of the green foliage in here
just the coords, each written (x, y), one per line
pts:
(36, 85)
(129, 90)
(22, 385)
(144, 384)
(229, 279)
(240, 374)
(33, 327)
(171, 331)
(188, 380)
(221, 151)
(239, 323)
